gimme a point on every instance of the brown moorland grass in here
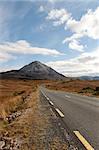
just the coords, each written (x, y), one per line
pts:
(75, 86)
(35, 128)
(11, 93)
(36, 125)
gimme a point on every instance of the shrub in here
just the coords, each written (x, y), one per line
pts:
(16, 93)
(87, 90)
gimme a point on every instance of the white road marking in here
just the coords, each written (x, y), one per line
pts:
(60, 113)
(44, 94)
(51, 102)
(47, 98)
(83, 141)
(67, 96)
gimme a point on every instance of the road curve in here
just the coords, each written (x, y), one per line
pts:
(81, 113)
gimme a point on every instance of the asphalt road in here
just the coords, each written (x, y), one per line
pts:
(81, 113)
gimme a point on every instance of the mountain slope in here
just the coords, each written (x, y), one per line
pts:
(35, 70)
(89, 78)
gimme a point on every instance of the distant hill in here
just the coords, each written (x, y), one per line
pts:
(34, 70)
(89, 78)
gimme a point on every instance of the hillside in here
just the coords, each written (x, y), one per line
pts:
(34, 70)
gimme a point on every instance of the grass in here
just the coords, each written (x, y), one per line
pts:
(12, 93)
(89, 88)
(33, 125)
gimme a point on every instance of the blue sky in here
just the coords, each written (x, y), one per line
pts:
(63, 34)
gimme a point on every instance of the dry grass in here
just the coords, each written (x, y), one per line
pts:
(35, 128)
(12, 93)
(75, 86)
(8, 100)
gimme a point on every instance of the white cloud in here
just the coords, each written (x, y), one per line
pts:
(7, 68)
(73, 37)
(7, 49)
(86, 26)
(59, 16)
(85, 64)
(75, 45)
(5, 56)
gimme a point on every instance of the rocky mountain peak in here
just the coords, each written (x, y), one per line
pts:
(35, 70)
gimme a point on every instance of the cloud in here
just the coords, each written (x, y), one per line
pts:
(7, 50)
(75, 45)
(86, 59)
(7, 68)
(86, 26)
(73, 37)
(5, 57)
(85, 64)
(58, 16)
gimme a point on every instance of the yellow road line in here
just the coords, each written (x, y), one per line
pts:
(60, 113)
(83, 141)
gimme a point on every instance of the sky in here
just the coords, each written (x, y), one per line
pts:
(63, 34)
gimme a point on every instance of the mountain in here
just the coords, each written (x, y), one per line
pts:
(89, 78)
(35, 70)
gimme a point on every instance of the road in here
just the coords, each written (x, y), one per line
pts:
(81, 113)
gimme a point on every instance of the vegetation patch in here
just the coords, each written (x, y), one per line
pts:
(87, 90)
(16, 93)
(96, 91)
